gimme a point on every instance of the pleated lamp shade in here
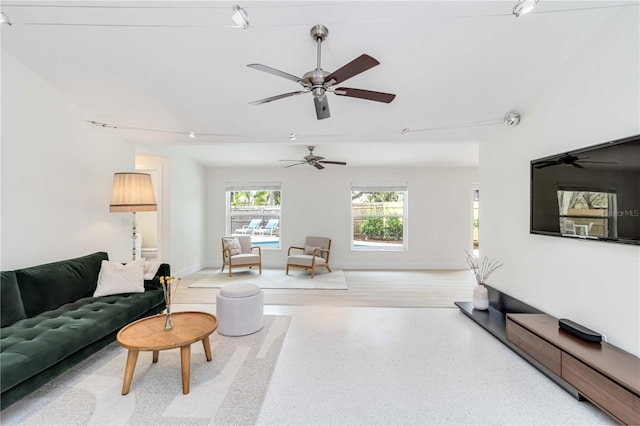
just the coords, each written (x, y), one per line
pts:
(132, 192)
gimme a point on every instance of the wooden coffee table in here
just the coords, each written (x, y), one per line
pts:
(148, 334)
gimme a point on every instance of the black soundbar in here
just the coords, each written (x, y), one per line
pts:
(579, 331)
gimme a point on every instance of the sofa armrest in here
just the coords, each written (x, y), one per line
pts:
(154, 284)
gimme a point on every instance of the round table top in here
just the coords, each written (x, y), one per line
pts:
(148, 334)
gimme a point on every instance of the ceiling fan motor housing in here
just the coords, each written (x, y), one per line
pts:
(319, 32)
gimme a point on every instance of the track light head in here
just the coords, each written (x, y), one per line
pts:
(524, 6)
(511, 118)
(240, 17)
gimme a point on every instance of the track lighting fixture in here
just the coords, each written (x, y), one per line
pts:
(4, 19)
(524, 7)
(511, 119)
(240, 17)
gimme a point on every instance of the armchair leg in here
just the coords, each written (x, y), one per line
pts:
(286, 271)
(229, 270)
(327, 266)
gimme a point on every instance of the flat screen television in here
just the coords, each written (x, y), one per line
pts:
(591, 193)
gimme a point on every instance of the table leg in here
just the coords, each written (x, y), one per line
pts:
(207, 347)
(185, 358)
(132, 357)
(155, 356)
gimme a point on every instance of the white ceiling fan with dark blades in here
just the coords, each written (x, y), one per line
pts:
(314, 160)
(319, 81)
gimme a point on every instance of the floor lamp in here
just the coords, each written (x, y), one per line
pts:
(132, 192)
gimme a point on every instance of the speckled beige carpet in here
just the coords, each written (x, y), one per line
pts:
(228, 390)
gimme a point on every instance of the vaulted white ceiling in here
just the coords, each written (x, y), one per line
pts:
(172, 67)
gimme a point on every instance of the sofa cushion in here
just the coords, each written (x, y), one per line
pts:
(51, 285)
(11, 308)
(32, 345)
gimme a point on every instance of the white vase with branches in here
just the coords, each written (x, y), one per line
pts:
(482, 269)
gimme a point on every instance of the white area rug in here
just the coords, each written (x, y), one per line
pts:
(270, 278)
(229, 389)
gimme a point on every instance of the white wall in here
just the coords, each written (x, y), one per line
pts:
(188, 224)
(595, 99)
(57, 173)
(316, 202)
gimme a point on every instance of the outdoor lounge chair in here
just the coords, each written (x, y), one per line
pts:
(237, 252)
(315, 253)
(270, 227)
(250, 228)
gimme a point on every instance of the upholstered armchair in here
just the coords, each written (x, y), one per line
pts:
(315, 253)
(237, 251)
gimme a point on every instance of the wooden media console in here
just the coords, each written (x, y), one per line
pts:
(599, 372)
(604, 374)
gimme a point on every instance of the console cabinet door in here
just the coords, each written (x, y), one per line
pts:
(539, 349)
(610, 396)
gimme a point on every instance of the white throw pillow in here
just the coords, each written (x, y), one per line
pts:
(233, 244)
(116, 278)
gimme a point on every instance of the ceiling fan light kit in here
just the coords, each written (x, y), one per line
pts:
(319, 81)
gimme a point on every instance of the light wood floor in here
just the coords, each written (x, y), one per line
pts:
(373, 288)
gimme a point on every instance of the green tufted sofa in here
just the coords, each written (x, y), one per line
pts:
(50, 321)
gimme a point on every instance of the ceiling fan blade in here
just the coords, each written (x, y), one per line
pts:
(599, 162)
(274, 71)
(296, 164)
(365, 94)
(544, 164)
(275, 98)
(341, 163)
(322, 107)
(355, 67)
(577, 165)
(318, 166)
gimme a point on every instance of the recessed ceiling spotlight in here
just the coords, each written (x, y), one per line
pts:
(192, 135)
(292, 136)
(511, 118)
(524, 6)
(240, 17)
(4, 19)
(405, 131)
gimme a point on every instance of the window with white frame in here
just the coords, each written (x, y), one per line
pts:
(378, 217)
(254, 209)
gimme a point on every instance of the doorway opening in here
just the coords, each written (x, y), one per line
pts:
(153, 226)
(476, 222)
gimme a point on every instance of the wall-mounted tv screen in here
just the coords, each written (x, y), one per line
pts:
(591, 193)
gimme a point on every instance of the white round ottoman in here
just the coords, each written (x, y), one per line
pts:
(239, 309)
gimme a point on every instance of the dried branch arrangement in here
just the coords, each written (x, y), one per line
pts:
(482, 269)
